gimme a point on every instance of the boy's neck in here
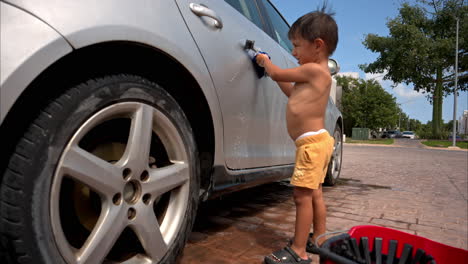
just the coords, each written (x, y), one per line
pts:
(322, 58)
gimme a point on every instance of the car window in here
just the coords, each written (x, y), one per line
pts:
(280, 27)
(249, 9)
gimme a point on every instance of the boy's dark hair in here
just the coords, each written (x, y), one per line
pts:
(317, 24)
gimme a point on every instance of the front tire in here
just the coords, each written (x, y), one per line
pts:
(106, 173)
(334, 167)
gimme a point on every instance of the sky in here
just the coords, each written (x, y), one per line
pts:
(355, 19)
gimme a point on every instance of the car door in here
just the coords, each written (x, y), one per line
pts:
(253, 108)
(278, 31)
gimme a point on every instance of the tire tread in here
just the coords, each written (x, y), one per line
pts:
(12, 190)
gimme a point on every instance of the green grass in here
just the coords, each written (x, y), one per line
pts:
(445, 144)
(384, 141)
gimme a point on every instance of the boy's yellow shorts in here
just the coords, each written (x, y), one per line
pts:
(313, 154)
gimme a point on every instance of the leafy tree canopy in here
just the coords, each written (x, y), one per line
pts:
(421, 42)
(366, 104)
(421, 50)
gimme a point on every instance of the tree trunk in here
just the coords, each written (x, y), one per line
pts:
(435, 111)
(437, 106)
(441, 99)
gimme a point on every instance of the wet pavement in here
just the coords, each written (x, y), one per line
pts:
(412, 189)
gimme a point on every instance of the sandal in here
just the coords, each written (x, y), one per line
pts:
(285, 256)
(310, 246)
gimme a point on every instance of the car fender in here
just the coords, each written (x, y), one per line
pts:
(332, 117)
(31, 47)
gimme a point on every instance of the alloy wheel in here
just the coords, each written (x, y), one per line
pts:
(336, 156)
(121, 187)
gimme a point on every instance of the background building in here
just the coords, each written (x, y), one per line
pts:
(354, 75)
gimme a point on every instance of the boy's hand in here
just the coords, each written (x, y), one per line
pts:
(261, 57)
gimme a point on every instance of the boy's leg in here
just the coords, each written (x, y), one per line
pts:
(319, 214)
(303, 201)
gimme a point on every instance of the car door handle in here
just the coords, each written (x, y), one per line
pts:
(201, 10)
(250, 45)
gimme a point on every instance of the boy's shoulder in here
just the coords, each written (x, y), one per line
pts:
(314, 65)
(316, 69)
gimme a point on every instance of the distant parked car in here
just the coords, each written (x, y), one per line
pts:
(399, 134)
(390, 134)
(408, 134)
(457, 137)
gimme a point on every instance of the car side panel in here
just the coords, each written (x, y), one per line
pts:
(155, 23)
(31, 47)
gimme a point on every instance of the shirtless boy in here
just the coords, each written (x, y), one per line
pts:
(314, 37)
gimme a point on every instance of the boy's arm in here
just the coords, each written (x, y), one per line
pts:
(286, 87)
(302, 73)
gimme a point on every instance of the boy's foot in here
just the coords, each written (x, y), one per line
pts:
(310, 246)
(286, 256)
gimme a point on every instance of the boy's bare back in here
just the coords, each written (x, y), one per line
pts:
(308, 101)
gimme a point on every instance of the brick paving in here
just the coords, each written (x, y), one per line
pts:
(412, 189)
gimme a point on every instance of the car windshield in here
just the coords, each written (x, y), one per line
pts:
(407, 133)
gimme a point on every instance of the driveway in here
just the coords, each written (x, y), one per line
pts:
(416, 190)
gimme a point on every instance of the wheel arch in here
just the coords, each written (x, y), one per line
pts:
(339, 122)
(116, 58)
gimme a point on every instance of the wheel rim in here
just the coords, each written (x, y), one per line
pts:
(336, 156)
(120, 192)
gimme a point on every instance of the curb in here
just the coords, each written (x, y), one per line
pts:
(371, 145)
(394, 146)
(448, 148)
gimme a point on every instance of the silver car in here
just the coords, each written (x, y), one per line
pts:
(118, 117)
(408, 134)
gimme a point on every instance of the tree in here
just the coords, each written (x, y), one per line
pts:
(414, 124)
(402, 120)
(405, 123)
(421, 50)
(366, 104)
(449, 126)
